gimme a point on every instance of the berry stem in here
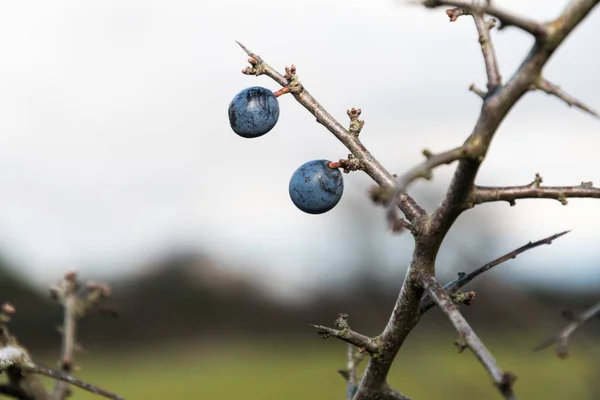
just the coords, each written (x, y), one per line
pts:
(335, 164)
(283, 90)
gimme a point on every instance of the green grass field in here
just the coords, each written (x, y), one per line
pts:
(427, 369)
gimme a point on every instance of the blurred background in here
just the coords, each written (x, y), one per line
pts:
(117, 161)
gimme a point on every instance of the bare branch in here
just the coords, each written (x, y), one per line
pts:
(506, 18)
(562, 338)
(494, 109)
(22, 370)
(503, 380)
(464, 279)
(343, 332)
(489, 54)
(67, 295)
(434, 228)
(38, 369)
(404, 318)
(430, 230)
(369, 163)
(534, 190)
(554, 90)
(424, 170)
(75, 307)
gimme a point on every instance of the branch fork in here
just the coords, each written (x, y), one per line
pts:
(420, 291)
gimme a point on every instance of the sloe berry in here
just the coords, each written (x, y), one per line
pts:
(315, 188)
(253, 112)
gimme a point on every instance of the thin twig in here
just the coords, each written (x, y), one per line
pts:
(424, 170)
(537, 29)
(369, 163)
(489, 54)
(534, 190)
(464, 279)
(343, 332)
(74, 308)
(562, 338)
(38, 369)
(68, 298)
(503, 380)
(555, 90)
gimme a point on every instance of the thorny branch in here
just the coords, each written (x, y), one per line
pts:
(534, 190)
(23, 373)
(554, 90)
(429, 230)
(562, 338)
(369, 163)
(464, 279)
(503, 380)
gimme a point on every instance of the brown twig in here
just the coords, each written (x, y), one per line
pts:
(489, 54)
(464, 279)
(496, 107)
(506, 18)
(494, 81)
(370, 164)
(562, 338)
(67, 295)
(534, 190)
(343, 332)
(503, 380)
(75, 307)
(424, 170)
(555, 90)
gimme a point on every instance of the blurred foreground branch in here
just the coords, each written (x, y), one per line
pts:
(561, 339)
(23, 373)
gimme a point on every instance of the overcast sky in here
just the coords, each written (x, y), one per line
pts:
(115, 144)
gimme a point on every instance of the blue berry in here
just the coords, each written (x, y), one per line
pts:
(253, 112)
(315, 188)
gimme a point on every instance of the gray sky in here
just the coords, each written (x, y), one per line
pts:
(115, 140)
